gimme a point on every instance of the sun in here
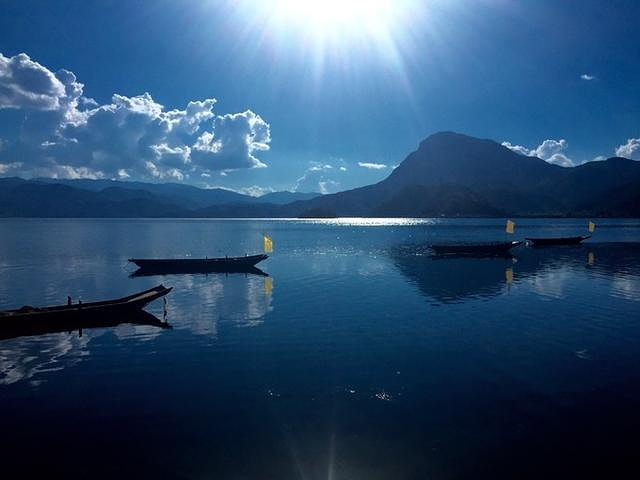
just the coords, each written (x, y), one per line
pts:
(327, 17)
(344, 37)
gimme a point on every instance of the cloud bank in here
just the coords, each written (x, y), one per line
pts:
(549, 150)
(372, 166)
(65, 134)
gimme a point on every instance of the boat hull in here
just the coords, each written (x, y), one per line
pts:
(197, 265)
(555, 241)
(71, 317)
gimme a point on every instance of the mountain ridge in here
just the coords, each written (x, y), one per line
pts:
(449, 174)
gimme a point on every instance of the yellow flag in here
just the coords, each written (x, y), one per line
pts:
(510, 226)
(592, 227)
(268, 285)
(268, 244)
(508, 274)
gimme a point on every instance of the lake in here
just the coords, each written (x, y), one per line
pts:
(360, 356)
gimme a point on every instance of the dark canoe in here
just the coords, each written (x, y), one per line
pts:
(196, 265)
(480, 249)
(28, 327)
(544, 242)
(71, 317)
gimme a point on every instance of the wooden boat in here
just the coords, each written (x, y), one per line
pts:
(197, 265)
(28, 327)
(554, 241)
(476, 249)
(70, 316)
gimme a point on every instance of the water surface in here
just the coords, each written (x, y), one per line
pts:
(359, 356)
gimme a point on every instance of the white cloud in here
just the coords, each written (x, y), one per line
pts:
(68, 172)
(631, 149)
(255, 190)
(27, 84)
(550, 150)
(66, 134)
(560, 159)
(318, 178)
(518, 149)
(237, 136)
(6, 168)
(372, 166)
(587, 77)
(328, 186)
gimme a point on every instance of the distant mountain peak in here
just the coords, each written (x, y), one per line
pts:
(448, 136)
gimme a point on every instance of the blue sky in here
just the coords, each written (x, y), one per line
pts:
(314, 98)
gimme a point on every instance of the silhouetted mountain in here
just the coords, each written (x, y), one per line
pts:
(436, 201)
(185, 196)
(456, 175)
(450, 174)
(36, 199)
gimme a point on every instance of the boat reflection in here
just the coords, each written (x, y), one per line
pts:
(453, 279)
(10, 330)
(143, 272)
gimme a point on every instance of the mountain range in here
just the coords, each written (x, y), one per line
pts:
(450, 174)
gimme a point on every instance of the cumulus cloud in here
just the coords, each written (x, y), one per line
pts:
(236, 137)
(550, 150)
(372, 166)
(65, 134)
(587, 77)
(631, 149)
(318, 178)
(27, 84)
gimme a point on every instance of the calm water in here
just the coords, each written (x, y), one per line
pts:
(359, 357)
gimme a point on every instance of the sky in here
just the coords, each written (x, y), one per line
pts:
(307, 95)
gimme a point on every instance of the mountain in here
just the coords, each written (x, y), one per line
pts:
(282, 198)
(457, 175)
(21, 198)
(450, 174)
(185, 196)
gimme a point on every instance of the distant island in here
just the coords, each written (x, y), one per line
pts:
(450, 175)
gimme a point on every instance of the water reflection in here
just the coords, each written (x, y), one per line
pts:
(548, 272)
(27, 359)
(27, 352)
(9, 330)
(202, 303)
(448, 280)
